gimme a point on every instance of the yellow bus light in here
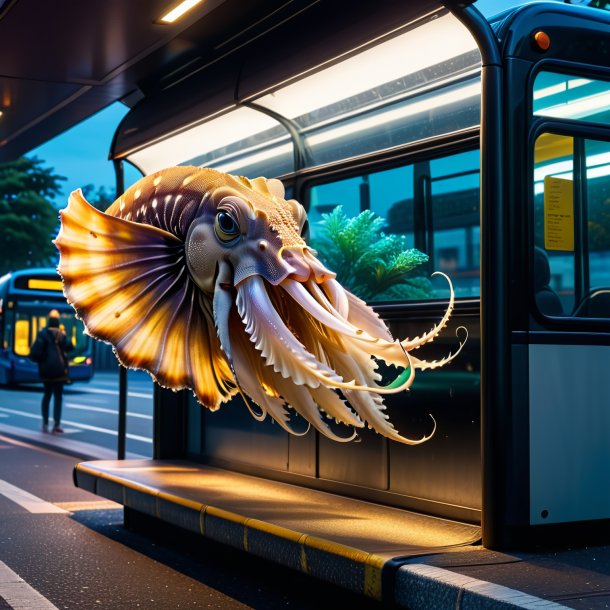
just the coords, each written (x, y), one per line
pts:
(37, 284)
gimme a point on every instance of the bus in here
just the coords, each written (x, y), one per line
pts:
(26, 297)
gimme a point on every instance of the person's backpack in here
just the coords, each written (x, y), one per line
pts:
(38, 350)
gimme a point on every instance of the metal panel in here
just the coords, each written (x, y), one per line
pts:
(569, 433)
(447, 468)
(364, 463)
(232, 434)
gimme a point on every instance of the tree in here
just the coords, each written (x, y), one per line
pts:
(368, 262)
(28, 218)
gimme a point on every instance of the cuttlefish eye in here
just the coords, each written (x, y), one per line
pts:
(225, 226)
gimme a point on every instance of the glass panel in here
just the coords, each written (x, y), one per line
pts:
(598, 215)
(22, 337)
(571, 97)
(401, 89)
(362, 226)
(572, 226)
(455, 220)
(416, 117)
(404, 88)
(242, 141)
(382, 71)
(554, 260)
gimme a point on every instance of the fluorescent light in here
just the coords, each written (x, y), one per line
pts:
(264, 155)
(561, 87)
(553, 169)
(430, 103)
(432, 43)
(179, 10)
(577, 109)
(201, 139)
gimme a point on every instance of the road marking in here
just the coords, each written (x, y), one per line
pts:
(74, 507)
(26, 500)
(135, 437)
(416, 579)
(114, 392)
(73, 405)
(18, 594)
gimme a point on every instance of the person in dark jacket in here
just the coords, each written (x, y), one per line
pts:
(52, 345)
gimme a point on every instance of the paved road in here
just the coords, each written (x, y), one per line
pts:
(90, 410)
(71, 548)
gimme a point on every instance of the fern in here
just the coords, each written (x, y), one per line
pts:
(369, 263)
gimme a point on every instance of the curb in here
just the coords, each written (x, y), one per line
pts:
(419, 585)
(344, 566)
(403, 583)
(61, 444)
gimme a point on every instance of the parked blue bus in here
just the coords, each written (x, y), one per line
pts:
(26, 297)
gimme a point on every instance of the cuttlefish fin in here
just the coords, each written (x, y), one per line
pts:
(129, 284)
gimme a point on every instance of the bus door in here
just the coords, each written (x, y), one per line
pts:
(569, 350)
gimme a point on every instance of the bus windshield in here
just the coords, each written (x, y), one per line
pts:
(28, 321)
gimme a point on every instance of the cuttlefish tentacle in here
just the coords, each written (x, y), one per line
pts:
(204, 280)
(257, 381)
(273, 339)
(222, 304)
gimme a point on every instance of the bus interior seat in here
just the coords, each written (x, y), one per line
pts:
(547, 300)
(595, 305)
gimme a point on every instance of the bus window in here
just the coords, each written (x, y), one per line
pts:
(563, 96)
(455, 239)
(431, 205)
(22, 337)
(572, 225)
(28, 323)
(75, 331)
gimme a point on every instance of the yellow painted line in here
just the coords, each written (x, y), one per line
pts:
(373, 564)
(226, 515)
(91, 505)
(276, 530)
(101, 474)
(185, 502)
(335, 548)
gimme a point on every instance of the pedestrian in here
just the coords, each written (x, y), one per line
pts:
(49, 351)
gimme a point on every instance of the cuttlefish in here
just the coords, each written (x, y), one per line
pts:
(204, 280)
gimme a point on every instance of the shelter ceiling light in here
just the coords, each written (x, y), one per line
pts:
(175, 13)
(388, 61)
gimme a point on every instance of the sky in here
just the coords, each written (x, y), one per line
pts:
(81, 153)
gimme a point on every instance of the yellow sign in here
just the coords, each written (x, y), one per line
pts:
(34, 284)
(558, 214)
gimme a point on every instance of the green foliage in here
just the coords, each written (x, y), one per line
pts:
(369, 263)
(28, 218)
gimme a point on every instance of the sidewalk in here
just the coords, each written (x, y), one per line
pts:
(388, 554)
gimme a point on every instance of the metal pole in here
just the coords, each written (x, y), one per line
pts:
(122, 424)
(122, 412)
